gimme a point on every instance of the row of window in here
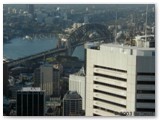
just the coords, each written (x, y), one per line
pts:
(94, 114)
(146, 91)
(145, 101)
(145, 110)
(114, 95)
(150, 74)
(107, 110)
(100, 108)
(146, 82)
(111, 77)
(109, 85)
(108, 68)
(106, 101)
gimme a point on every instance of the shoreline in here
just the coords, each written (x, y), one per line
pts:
(31, 37)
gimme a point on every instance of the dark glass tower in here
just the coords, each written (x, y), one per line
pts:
(30, 102)
(72, 104)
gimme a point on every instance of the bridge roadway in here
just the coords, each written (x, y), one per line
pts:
(37, 56)
(49, 53)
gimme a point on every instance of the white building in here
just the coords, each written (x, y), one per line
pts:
(120, 79)
(145, 41)
(77, 83)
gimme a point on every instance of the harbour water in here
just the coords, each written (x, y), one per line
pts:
(19, 47)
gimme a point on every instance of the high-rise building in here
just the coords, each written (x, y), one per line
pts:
(56, 82)
(30, 102)
(77, 83)
(72, 104)
(36, 77)
(30, 8)
(120, 80)
(49, 80)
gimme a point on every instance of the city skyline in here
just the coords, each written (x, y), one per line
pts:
(49, 46)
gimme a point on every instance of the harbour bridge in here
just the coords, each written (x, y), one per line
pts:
(81, 35)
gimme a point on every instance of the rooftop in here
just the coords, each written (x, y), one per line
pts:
(47, 65)
(80, 72)
(141, 37)
(72, 95)
(31, 89)
(128, 50)
(128, 47)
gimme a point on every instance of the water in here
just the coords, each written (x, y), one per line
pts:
(19, 47)
(79, 52)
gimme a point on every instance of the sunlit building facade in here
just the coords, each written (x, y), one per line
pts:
(120, 80)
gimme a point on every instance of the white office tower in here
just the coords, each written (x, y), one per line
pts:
(120, 80)
(77, 83)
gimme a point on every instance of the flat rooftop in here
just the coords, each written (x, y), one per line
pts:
(125, 49)
(126, 46)
(128, 50)
(72, 95)
(31, 89)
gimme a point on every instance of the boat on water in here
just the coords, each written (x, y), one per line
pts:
(27, 37)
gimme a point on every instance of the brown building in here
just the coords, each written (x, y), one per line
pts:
(49, 80)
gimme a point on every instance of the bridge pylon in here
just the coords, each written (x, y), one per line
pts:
(69, 48)
(69, 51)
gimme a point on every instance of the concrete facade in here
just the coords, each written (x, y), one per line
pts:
(120, 79)
(77, 83)
(49, 80)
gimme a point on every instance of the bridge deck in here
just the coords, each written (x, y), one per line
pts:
(36, 56)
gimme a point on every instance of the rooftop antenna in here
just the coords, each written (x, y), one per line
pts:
(115, 40)
(146, 25)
